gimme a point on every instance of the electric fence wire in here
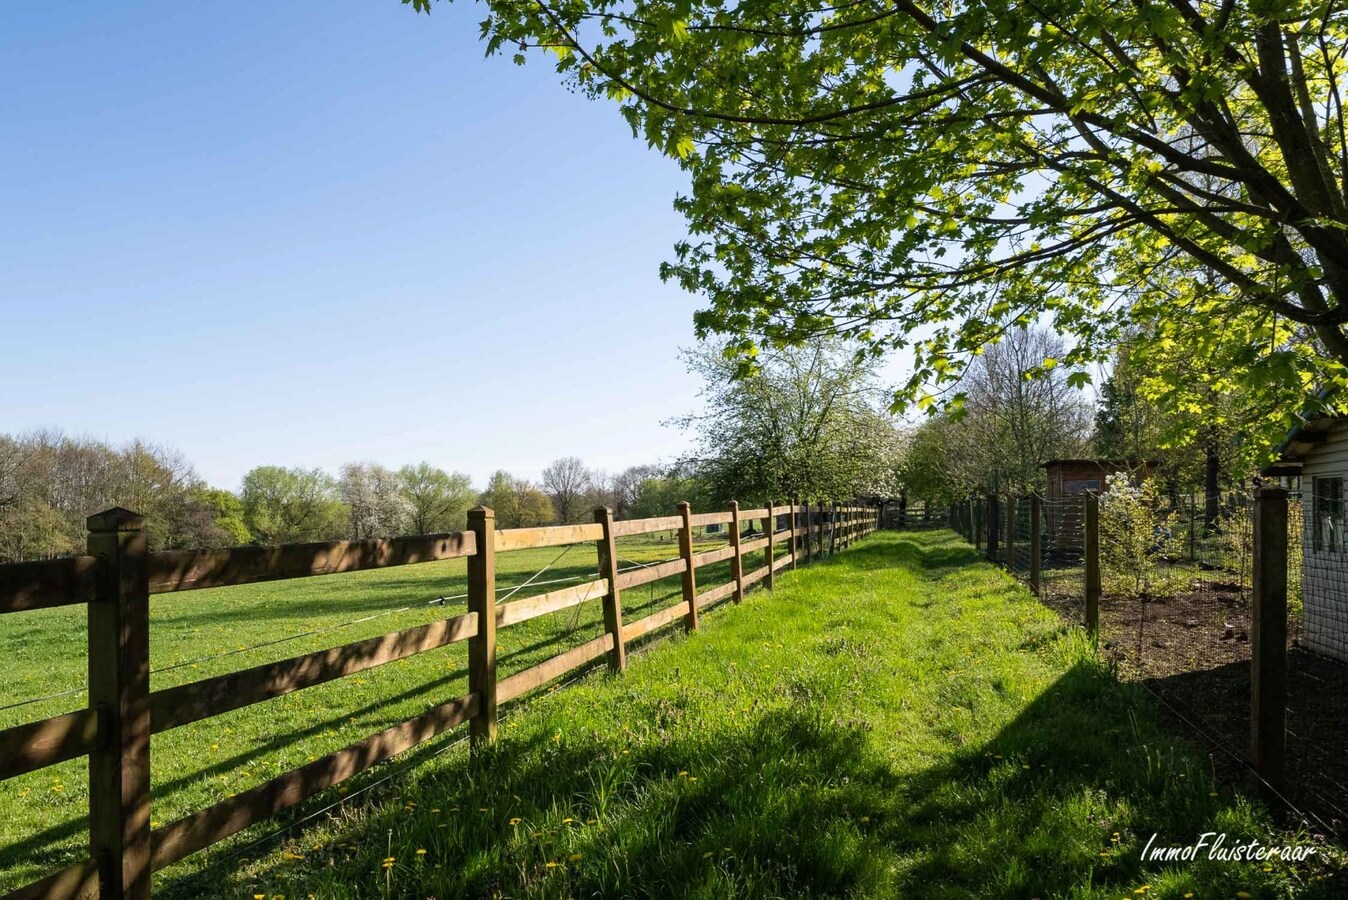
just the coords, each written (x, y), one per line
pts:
(311, 633)
(214, 862)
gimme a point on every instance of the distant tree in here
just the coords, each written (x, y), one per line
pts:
(516, 502)
(660, 496)
(437, 500)
(925, 470)
(283, 505)
(566, 481)
(624, 487)
(807, 423)
(50, 483)
(375, 502)
(1128, 423)
(213, 517)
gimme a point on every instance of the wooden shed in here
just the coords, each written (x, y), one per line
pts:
(1074, 477)
(1316, 452)
(1068, 483)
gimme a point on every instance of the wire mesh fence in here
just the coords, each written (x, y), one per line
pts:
(1175, 606)
(1062, 580)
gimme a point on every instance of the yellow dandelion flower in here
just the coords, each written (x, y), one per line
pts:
(1243, 894)
(553, 865)
(576, 857)
(865, 819)
(514, 821)
(421, 851)
(707, 855)
(1143, 889)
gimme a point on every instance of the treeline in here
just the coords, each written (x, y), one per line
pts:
(51, 482)
(806, 423)
(1019, 408)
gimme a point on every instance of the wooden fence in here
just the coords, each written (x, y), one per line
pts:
(118, 576)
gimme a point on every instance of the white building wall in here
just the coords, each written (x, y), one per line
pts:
(1324, 574)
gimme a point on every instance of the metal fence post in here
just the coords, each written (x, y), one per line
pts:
(1268, 638)
(613, 603)
(1011, 533)
(482, 647)
(119, 687)
(1092, 562)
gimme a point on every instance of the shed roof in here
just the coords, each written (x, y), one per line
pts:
(1300, 441)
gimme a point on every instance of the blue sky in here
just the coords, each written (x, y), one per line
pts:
(305, 233)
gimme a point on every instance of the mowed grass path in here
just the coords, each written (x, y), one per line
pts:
(43, 815)
(900, 721)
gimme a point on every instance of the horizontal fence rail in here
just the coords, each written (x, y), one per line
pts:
(118, 577)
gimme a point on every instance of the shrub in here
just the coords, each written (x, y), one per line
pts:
(1135, 530)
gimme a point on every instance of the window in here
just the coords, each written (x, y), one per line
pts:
(1329, 514)
(1081, 486)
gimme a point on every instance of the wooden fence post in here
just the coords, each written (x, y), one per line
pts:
(831, 536)
(1011, 533)
(1268, 639)
(976, 514)
(119, 687)
(1036, 544)
(482, 647)
(1092, 562)
(771, 523)
(795, 529)
(613, 603)
(806, 535)
(736, 561)
(689, 573)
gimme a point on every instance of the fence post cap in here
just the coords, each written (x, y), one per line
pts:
(601, 513)
(1270, 492)
(481, 512)
(734, 504)
(683, 504)
(116, 519)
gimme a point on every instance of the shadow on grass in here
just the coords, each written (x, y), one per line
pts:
(798, 804)
(791, 802)
(1212, 705)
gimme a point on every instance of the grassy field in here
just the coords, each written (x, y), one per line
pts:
(42, 815)
(899, 721)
